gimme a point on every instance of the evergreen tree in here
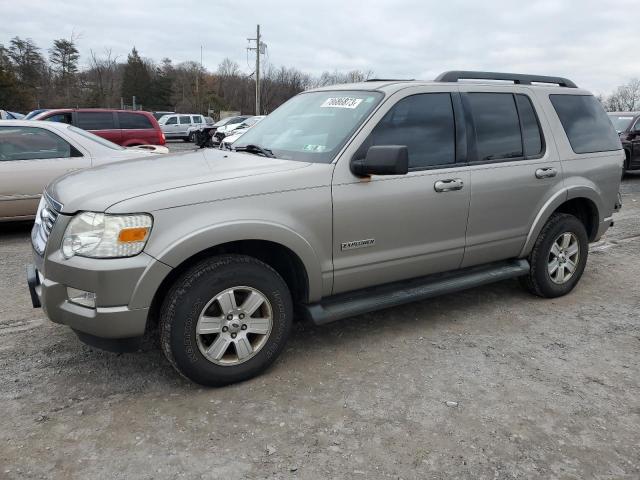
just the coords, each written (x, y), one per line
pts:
(64, 60)
(136, 79)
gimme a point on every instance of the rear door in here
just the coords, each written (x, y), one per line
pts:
(136, 128)
(30, 158)
(513, 170)
(102, 124)
(184, 124)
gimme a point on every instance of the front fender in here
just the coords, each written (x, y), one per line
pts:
(181, 249)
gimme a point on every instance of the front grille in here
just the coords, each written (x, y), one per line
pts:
(46, 217)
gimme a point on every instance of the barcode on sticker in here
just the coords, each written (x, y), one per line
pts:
(341, 102)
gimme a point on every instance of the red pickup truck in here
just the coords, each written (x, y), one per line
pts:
(124, 127)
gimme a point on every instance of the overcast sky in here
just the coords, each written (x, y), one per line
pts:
(595, 43)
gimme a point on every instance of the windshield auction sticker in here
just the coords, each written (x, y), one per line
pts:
(341, 102)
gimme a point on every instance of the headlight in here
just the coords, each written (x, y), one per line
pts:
(97, 235)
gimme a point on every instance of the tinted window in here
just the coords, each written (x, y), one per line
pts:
(171, 121)
(129, 121)
(95, 120)
(30, 143)
(531, 133)
(424, 123)
(497, 126)
(197, 119)
(185, 120)
(585, 123)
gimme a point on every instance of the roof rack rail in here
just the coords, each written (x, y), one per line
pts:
(518, 78)
(389, 79)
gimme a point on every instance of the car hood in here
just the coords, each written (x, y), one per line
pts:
(96, 189)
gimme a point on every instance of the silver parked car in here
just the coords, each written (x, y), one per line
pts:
(344, 200)
(180, 125)
(33, 153)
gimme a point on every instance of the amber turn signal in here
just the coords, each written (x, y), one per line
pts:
(137, 234)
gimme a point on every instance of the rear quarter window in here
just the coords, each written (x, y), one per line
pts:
(133, 121)
(95, 120)
(586, 124)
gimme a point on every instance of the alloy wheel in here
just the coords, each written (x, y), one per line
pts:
(234, 325)
(563, 258)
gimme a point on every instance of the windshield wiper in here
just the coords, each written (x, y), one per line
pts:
(257, 149)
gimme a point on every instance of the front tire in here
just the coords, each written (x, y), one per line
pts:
(558, 258)
(225, 320)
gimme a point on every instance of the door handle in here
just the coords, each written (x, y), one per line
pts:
(546, 172)
(448, 185)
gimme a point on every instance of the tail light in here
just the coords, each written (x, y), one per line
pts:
(163, 139)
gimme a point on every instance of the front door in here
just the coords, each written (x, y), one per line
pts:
(512, 172)
(389, 228)
(30, 157)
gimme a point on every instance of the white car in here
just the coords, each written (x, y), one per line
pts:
(236, 133)
(231, 125)
(33, 153)
(7, 115)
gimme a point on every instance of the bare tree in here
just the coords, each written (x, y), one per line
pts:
(625, 98)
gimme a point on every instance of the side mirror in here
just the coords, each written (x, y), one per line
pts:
(382, 160)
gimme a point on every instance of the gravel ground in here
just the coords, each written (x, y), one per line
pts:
(491, 383)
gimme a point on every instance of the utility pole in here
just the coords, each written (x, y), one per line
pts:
(259, 48)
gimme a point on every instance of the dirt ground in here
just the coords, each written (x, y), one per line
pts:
(536, 389)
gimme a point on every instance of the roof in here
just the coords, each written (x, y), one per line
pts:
(452, 79)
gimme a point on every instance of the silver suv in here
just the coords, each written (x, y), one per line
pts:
(345, 200)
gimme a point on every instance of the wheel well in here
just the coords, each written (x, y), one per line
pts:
(586, 211)
(280, 258)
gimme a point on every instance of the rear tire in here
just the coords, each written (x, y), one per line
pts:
(558, 258)
(208, 329)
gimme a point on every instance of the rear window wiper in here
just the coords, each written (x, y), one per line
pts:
(257, 149)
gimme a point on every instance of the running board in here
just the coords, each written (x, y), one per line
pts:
(370, 299)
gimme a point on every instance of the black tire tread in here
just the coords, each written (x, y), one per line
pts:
(183, 284)
(531, 281)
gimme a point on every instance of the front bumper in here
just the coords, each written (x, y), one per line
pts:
(124, 289)
(104, 322)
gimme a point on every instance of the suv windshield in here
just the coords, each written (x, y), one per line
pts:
(620, 122)
(313, 126)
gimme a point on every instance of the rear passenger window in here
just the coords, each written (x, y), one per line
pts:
(425, 124)
(95, 120)
(586, 124)
(531, 134)
(497, 126)
(29, 143)
(185, 120)
(133, 121)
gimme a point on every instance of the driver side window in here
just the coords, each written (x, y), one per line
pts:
(425, 124)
